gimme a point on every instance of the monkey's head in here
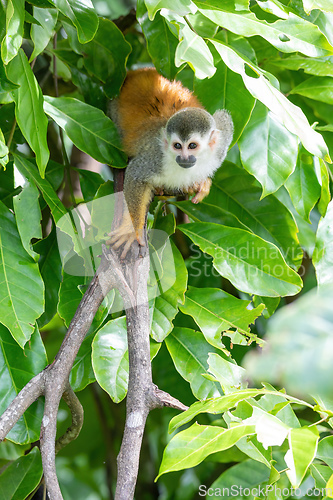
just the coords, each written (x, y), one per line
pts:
(189, 135)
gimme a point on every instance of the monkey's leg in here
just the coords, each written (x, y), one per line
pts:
(202, 190)
(137, 199)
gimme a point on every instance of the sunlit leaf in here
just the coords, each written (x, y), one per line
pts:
(323, 254)
(82, 14)
(303, 447)
(14, 30)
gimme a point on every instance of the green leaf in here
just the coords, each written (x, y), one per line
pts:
(161, 42)
(320, 473)
(28, 170)
(29, 108)
(191, 446)
(243, 476)
(22, 476)
(189, 352)
(204, 212)
(28, 216)
(316, 87)
(88, 128)
(193, 50)
(262, 89)
(303, 185)
(82, 14)
(168, 289)
(242, 258)
(293, 34)
(286, 359)
(3, 151)
(14, 30)
(303, 447)
(18, 366)
(101, 58)
(21, 286)
(82, 373)
(110, 358)
(325, 450)
(50, 270)
(70, 295)
(325, 195)
(181, 7)
(268, 150)
(323, 253)
(235, 190)
(41, 34)
(318, 66)
(325, 5)
(90, 182)
(215, 311)
(218, 92)
(229, 375)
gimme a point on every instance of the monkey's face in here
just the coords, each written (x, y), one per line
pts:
(189, 151)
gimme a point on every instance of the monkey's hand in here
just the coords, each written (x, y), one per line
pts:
(201, 189)
(125, 235)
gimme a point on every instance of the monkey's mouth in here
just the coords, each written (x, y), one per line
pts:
(186, 162)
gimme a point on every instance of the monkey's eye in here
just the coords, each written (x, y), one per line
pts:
(177, 145)
(192, 145)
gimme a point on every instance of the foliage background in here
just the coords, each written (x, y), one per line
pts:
(269, 215)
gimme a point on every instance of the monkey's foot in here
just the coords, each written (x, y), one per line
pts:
(125, 235)
(201, 189)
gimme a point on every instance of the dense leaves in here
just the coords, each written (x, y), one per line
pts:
(261, 239)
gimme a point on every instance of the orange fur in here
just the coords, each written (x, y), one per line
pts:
(146, 102)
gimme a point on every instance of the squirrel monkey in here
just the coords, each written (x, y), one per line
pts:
(172, 142)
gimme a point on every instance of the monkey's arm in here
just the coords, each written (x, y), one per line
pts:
(137, 197)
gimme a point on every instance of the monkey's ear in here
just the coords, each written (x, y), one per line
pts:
(164, 137)
(214, 139)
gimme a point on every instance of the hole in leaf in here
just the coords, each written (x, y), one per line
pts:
(250, 71)
(284, 38)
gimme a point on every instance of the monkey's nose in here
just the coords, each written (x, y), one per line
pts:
(186, 162)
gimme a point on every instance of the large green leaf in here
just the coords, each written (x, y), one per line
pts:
(215, 311)
(235, 190)
(182, 7)
(316, 87)
(14, 30)
(21, 286)
(325, 450)
(262, 89)
(161, 42)
(193, 50)
(244, 476)
(293, 34)
(110, 358)
(224, 403)
(41, 34)
(318, 66)
(22, 476)
(28, 216)
(304, 185)
(251, 264)
(323, 253)
(218, 92)
(189, 351)
(88, 128)
(28, 170)
(298, 343)
(268, 150)
(303, 447)
(17, 367)
(82, 14)
(82, 373)
(50, 270)
(29, 108)
(190, 447)
(325, 5)
(167, 292)
(229, 375)
(100, 57)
